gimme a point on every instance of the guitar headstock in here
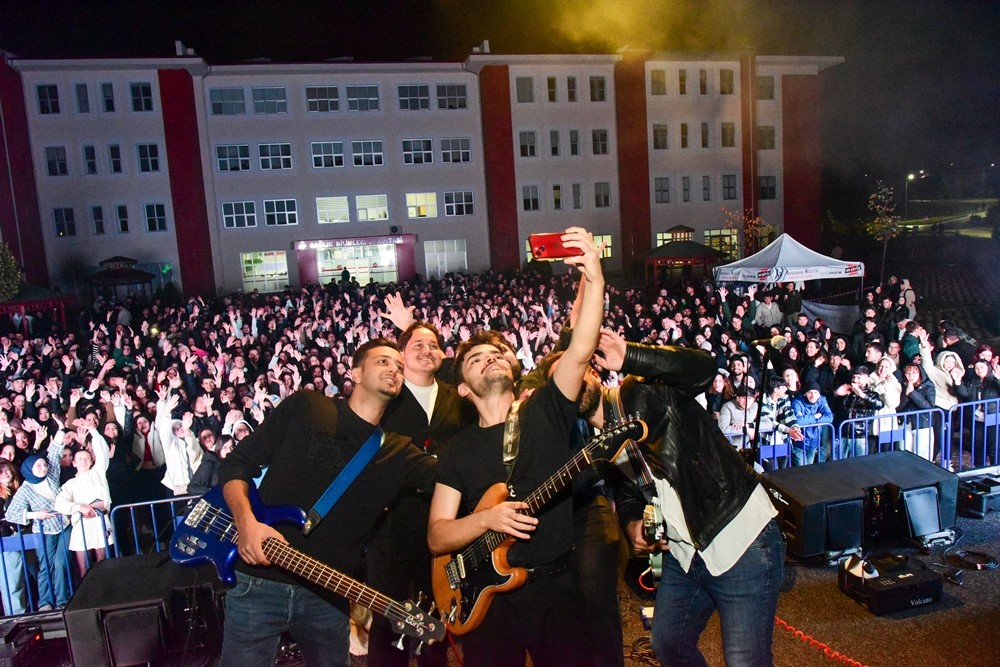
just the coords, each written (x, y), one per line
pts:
(409, 619)
(609, 443)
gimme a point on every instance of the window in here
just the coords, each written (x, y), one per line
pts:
(418, 151)
(703, 81)
(765, 137)
(600, 141)
(597, 89)
(577, 189)
(686, 188)
(149, 157)
(332, 210)
(553, 91)
(452, 96)
(684, 135)
(227, 101)
(526, 140)
(571, 89)
(660, 137)
(269, 100)
(414, 97)
(458, 203)
(556, 197)
(529, 197)
(156, 218)
(456, 149)
(55, 161)
(602, 195)
(121, 211)
(142, 96)
(97, 217)
(372, 207)
(729, 186)
(678, 235)
(606, 240)
(239, 214)
(327, 154)
(658, 82)
(48, 100)
(442, 257)
(525, 87)
(233, 157)
(682, 82)
(115, 155)
(89, 160)
(280, 212)
(367, 153)
(65, 222)
(726, 241)
(362, 98)
(108, 97)
(574, 142)
(421, 205)
(82, 98)
(264, 271)
(728, 135)
(765, 87)
(275, 156)
(767, 187)
(554, 142)
(704, 135)
(661, 190)
(706, 188)
(726, 85)
(322, 99)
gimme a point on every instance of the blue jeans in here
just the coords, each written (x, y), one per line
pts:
(804, 453)
(12, 581)
(746, 597)
(53, 574)
(259, 610)
(856, 446)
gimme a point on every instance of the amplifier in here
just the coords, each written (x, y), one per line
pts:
(906, 587)
(979, 495)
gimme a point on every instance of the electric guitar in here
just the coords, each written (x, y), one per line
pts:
(466, 581)
(209, 534)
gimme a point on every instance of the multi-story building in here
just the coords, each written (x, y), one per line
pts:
(261, 175)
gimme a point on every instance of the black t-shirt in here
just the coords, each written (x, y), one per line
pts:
(305, 443)
(472, 462)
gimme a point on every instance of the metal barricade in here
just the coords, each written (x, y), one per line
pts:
(826, 436)
(148, 526)
(973, 429)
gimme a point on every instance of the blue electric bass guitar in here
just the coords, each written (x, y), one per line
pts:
(208, 534)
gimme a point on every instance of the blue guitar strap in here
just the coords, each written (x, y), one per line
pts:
(343, 480)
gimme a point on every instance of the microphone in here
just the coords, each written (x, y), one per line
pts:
(777, 342)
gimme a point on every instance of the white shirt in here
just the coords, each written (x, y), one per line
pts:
(426, 396)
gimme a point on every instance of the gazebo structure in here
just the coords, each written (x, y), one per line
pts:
(32, 299)
(679, 255)
(119, 276)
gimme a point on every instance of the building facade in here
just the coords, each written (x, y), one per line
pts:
(260, 175)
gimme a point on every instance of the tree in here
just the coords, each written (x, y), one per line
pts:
(884, 226)
(749, 226)
(11, 276)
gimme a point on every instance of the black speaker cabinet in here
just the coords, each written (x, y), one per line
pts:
(134, 610)
(828, 508)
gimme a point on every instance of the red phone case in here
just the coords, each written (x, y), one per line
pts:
(550, 246)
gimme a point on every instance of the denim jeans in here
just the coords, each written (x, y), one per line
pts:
(746, 597)
(53, 574)
(259, 610)
(856, 446)
(804, 453)
(12, 581)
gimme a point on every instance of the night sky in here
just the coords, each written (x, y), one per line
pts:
(920, 88)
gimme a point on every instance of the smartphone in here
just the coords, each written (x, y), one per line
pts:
(550, 247)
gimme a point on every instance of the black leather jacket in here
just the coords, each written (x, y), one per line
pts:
(685, 446)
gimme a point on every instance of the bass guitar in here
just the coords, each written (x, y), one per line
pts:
(466, 582)
(208, 534)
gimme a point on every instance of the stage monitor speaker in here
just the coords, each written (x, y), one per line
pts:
(137, 609)
(834, 507)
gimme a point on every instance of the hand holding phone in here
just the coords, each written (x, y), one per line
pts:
(550, 247)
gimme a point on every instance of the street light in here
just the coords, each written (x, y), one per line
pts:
(906, 188)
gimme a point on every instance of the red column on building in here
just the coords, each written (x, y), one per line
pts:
(802, 157)
(498, 164)
(187, 182)
(748, 120)
(633, 158)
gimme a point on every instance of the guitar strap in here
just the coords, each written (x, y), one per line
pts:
(343, 480)
(511, 437)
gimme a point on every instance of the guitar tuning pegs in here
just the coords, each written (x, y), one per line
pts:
(419, 648)
(399, 643)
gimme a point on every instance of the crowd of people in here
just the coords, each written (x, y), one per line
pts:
(144, 401)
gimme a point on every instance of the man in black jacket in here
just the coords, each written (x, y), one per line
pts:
(727, 551)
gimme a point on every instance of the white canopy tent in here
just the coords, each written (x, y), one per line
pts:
(787, 260)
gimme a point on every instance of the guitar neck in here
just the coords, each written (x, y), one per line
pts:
(312, 570)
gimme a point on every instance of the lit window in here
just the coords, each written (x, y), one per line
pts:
(557, 198)
(606, 240)
(421, 205)
(264, 271)
(726, 241)
(765, 137)
(657, 82)
(726, 82)
(728, 135)
(332, 210)
(550, 83)
(372, 207)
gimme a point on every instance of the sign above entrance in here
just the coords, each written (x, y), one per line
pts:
(319, 244)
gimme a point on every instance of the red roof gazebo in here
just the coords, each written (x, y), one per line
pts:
(31, 298)
(677, 255)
